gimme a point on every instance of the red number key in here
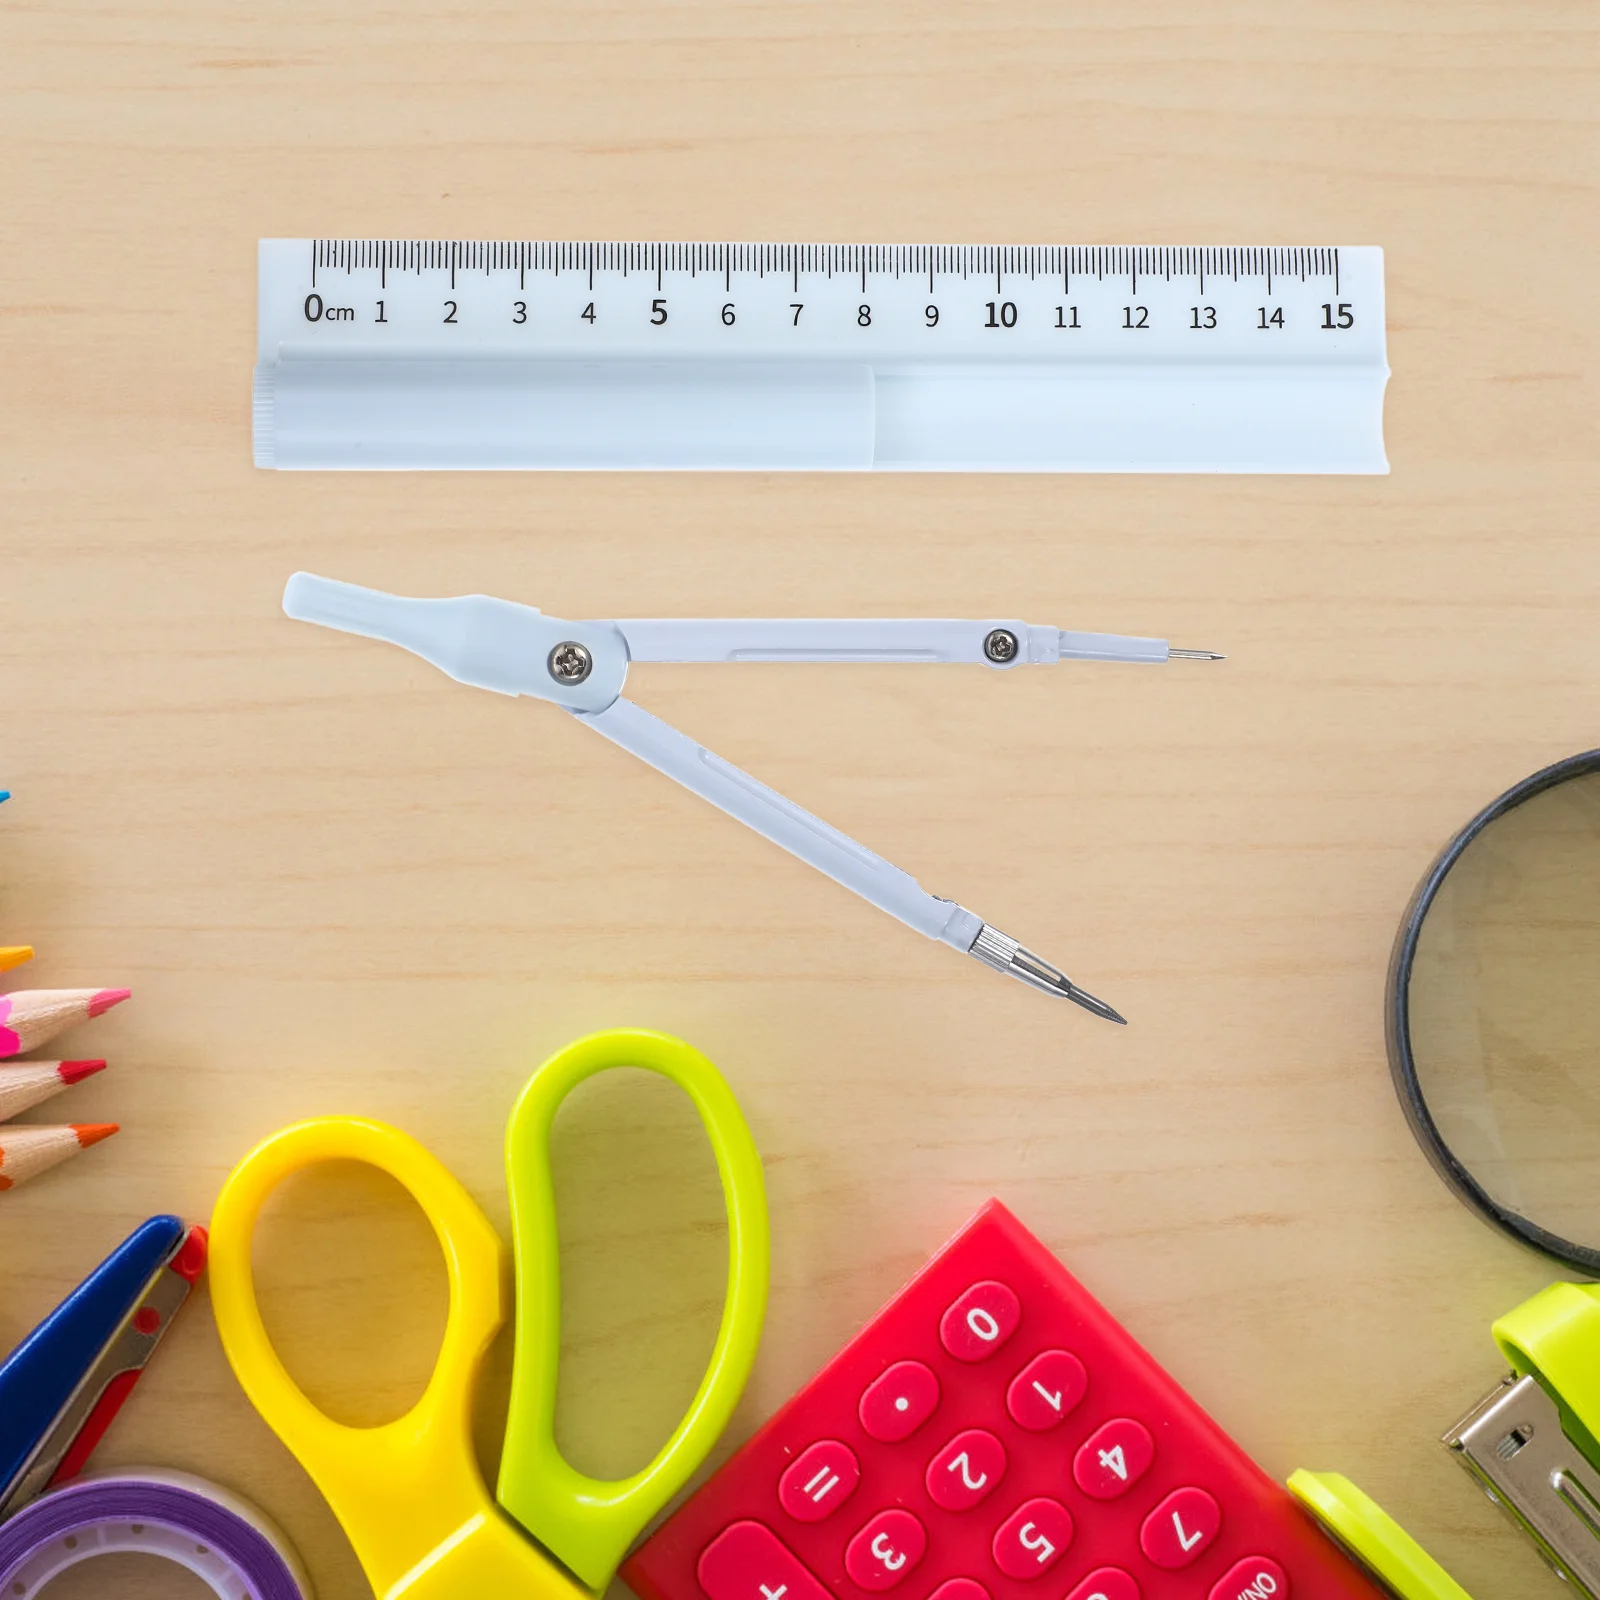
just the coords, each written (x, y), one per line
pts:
(1113, 1458)
(967, 1471)
(886, 1551)
(1107, 1583)
(1046, 1390)
(980, 1321)
(1179, 1529)
(960, 1589)
(1032, 1539)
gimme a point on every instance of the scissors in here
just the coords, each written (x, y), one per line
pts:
(409, 1493)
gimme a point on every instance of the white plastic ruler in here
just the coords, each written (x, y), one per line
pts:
(413, 354)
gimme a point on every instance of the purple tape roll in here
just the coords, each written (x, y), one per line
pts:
(217, 1536)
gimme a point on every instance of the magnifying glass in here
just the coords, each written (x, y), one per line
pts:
(1493, 1012)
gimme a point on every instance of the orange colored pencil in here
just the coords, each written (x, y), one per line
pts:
(32, 1017)
(13, 955)
(26, 1152)
(29, 1082)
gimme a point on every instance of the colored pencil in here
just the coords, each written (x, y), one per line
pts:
(26, 1152)
(32, 1017)
(30, 1082)
(13, 955)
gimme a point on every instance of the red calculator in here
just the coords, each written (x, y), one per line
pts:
(992, 1434)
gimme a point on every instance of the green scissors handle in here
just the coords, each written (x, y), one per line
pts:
(587, 1522)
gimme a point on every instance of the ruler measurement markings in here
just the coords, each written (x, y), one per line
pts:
(894, 329)
(1165, 263)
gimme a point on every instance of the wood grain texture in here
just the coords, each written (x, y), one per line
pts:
(337, 882)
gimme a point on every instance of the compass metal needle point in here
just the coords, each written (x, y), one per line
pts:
(1003, 953)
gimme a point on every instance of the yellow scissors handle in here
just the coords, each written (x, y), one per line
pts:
(587, 1522)
(409, 1493)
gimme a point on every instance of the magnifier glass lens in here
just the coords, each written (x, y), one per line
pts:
(1504, 1008)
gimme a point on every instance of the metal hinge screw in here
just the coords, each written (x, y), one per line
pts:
(1001, 646)
(570, 662)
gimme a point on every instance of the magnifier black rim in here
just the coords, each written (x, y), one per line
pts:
(1402, 1064)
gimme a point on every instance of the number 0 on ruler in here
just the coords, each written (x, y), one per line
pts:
(981, 358)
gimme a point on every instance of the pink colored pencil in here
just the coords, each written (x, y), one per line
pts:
(32, 1017)
(26, 1152)
(29, 1082)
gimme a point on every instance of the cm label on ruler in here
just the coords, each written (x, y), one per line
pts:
(419, 354)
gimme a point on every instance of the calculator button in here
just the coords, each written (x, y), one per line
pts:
(1032, 1539)
(960, 1589)
(886, 1551)
(1113, 1458)
(1046, 1390)
(749, 1562)
(1255, 1578)
(1109, 1583)
(966, 1471)
(1180, 1528)
(980, 1321)
(896, 1404)
(819, 1480)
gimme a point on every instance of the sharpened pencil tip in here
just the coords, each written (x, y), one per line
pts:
(13, 955)
(71, 1072)
(93, 1132)
(107, 998)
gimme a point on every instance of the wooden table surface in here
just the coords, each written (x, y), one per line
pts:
(338, 882)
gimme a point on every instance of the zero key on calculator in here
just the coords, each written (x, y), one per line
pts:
(995, 1435)
(980, 1321)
